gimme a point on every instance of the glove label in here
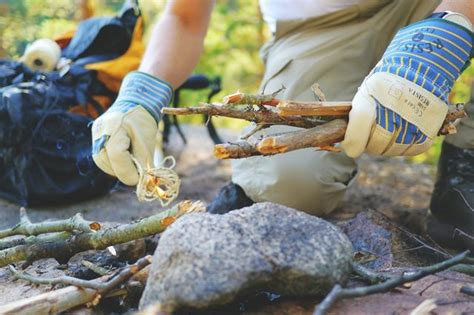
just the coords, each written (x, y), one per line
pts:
(409, 100)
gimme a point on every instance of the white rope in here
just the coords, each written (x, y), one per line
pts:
(160, 183)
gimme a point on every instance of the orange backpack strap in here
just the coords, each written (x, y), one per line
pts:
(65, 38)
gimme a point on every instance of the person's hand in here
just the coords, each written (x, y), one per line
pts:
(128, 129)
(402, 103)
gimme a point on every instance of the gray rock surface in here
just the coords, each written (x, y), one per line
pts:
(205, 259)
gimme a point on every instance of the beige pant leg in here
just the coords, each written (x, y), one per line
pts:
(336, 50)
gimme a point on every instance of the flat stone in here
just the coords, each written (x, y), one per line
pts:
(205, 259)
(371, 239)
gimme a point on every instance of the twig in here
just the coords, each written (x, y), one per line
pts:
(308, 115)
(11, 243)
(52, 281)
(338, 293)
(455, 112)
(235, 150)
(320, 136)
(464, 268)
(62, 246)
(72, 296)
(319, 108)
(368, 275)
(424, 307)
(268, 117)
(125, 274)
(318, 92)
(438, 249)
(467, 290)
(25, 227)
(254, 130)
(239, 98)
(294, 113)
(97, 269)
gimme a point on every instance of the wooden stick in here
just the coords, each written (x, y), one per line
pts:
(235, 150)
(338, 292)
(297, 114)
(454, 113)
(63, 246)
(307, 115)
(269, 116)
(369, 275)
(64, 299)
(25, 227)
(239, 98)
(294, 108)
(320, 136)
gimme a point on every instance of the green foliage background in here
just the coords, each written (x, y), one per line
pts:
(231, 48)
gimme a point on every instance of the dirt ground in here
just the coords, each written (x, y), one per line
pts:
(393, 187)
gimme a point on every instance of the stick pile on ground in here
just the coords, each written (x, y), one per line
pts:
(64, 238)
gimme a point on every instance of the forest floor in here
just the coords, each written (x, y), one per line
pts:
(394, 189)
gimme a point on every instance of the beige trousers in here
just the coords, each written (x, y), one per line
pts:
(336, 50)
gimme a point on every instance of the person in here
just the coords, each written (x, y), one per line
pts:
(396, 60)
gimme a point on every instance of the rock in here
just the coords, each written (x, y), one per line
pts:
(370, 239)
(205, 259)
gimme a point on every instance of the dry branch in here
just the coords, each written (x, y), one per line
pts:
(97, 269)
(454, 113)
(320, 136)
(267, 116)
(63, 246)
(338, 293)
(239, 98)
(295, 113)
(88, 292)
(121, 277)
(294, 108)
(235, 150)
(309, 115)
(369, 275)
(25, 227)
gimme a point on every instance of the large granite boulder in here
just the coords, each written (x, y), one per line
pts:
(205, 259)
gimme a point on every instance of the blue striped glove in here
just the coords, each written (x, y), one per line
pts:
(129, 128)
(402, 103)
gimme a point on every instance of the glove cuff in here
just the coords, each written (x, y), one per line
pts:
(431, 53)
(139, 88)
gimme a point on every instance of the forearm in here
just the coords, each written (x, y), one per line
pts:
(177, 41)
(465, 7)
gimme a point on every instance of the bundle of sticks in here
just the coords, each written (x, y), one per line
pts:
(324, 123)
